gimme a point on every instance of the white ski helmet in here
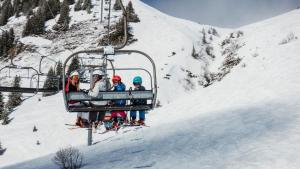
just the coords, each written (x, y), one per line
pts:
(98, 72)
(74, 73)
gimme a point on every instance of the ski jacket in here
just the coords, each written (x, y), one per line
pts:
(99, 86)
(71, 88)
(139, 101)
(119, 88)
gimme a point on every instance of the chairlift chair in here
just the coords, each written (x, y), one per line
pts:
(149, 95)
(31, 89)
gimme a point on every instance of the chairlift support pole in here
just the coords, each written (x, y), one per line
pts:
(108, 23)
(101, 11)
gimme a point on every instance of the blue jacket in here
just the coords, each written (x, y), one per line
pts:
(119, 87)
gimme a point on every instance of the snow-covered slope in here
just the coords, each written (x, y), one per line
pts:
(249, 119)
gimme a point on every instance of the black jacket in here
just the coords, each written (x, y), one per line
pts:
(139, 101)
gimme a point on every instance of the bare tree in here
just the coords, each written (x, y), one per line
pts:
(68, 158)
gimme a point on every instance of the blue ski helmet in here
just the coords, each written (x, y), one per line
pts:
(137, 80)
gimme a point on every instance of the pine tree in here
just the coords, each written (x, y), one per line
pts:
(17, 7)
(5, 117)
(194, 54)
(59, 73)
(2, 150)
(87, 5)
(6, 42)
(78, 5)
(3, 45)
(129, 7)
(34, 129)
(71, 2)
(1, 106)
(117, 36)
(64, 18)
(50, 8)
(74, 65)
(204, 41)
(117, 5)
(28, 5)
(1, 48)
(131, 15)
(51, 82)
(35, 24)
(10, 38)
(6, 12)
(14, 99)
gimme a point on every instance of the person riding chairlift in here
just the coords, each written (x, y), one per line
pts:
(99, 83)
(117, 117)
(137, 82)
(73, 86)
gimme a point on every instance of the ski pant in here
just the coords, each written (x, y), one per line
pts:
(118, 116)
(141, 115)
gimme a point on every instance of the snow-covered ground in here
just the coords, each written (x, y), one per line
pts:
(249, 119)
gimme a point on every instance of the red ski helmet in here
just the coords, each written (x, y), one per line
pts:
(116, 78)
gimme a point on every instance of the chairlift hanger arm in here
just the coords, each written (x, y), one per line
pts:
(40, 65)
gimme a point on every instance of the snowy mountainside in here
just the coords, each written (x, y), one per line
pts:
(249, 119)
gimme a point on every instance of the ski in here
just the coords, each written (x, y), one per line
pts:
(134, 125)
(68, 124)
(72, 128)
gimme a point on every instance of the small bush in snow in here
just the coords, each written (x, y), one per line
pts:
(2, 150)
(237, 34)
(288, 39)
(34, 129)
(213, 31)
(68, 158)
(158, 104)
(209, 51)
